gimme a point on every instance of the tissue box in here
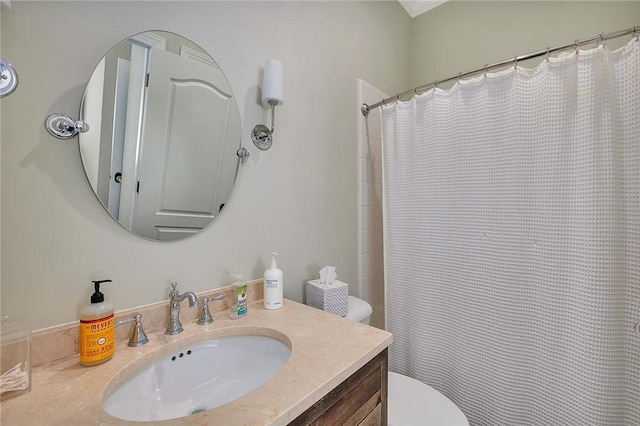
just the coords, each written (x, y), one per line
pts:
(332, 298)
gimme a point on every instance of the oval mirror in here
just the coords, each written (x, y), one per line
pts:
(164, 129)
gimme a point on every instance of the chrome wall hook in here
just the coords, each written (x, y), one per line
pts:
(64, 127)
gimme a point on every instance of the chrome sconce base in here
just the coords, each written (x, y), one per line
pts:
(261, 135)
(64, 127)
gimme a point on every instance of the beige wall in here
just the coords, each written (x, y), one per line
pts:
(299, 198)
(462, 35)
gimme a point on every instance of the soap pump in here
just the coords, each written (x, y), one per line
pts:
(97, 329)
(273, 285)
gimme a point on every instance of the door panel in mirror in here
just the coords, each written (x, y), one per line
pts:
(168, 125)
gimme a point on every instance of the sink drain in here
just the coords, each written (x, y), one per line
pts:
(199, 410)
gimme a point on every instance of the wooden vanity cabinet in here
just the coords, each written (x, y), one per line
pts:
(360, 400)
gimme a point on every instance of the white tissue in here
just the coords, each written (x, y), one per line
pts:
(328, 275)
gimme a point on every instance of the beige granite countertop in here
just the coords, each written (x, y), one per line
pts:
(325, 350)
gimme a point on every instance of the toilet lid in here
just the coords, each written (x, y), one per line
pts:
(358, 309)
(412, 403)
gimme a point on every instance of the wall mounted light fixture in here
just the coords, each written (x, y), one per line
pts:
(272, 94)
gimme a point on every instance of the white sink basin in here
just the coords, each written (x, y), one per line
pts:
(197, 378)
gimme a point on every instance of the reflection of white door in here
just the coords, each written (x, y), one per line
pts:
(176, 153)
(118, 134)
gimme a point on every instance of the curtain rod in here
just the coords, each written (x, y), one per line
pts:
(365, 109)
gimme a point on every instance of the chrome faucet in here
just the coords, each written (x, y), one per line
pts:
(174, 326)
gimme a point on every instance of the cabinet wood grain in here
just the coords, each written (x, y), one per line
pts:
(361, 400)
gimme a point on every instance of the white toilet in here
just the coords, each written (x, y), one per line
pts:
(409, 401)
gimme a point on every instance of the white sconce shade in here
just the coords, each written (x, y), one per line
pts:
(272, 85)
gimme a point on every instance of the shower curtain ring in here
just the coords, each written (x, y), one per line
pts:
(602, 39)
(548, 49)
(459, 75)
(486, 67)
(515, 63)
(635, 31)
(577, 43)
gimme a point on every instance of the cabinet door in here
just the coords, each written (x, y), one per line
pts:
(374, 418)
(359, 400)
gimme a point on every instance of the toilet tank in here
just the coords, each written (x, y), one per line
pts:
(358, 310)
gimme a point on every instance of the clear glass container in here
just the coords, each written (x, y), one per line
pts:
(15, 359)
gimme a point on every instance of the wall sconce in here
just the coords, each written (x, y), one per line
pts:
(272, 94)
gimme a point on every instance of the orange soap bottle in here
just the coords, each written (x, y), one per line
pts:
(97, 329)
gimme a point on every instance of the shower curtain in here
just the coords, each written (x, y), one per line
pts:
(511, 208)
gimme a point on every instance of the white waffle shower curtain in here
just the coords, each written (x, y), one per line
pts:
(512, 241)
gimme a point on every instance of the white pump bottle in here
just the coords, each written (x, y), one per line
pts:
(273, 286)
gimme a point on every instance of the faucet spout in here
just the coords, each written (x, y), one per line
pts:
(193, 299)
(174, 326)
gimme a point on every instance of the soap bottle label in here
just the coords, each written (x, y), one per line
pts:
(242, 299)
(96, 339)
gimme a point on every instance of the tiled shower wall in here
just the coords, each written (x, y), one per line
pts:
(370, 254)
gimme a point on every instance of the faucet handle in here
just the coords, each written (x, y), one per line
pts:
(174, 291)
(205, 316)
(138, 337)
